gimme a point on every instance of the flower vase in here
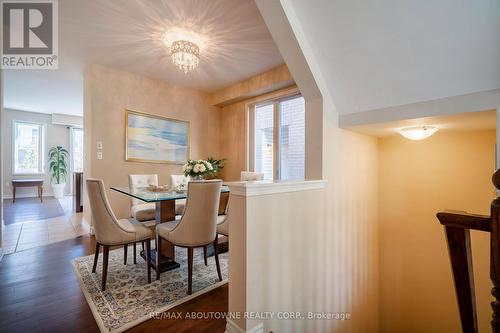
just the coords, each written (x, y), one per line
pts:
(198, 177)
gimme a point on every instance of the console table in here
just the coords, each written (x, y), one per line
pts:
(27, 183)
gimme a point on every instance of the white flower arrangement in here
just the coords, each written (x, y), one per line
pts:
(198, 168)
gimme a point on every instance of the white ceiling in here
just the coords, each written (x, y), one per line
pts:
(127, 35)
(379, 53)
(469, 121)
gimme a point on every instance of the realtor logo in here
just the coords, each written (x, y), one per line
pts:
(29, 34)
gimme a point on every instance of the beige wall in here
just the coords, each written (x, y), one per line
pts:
(108, 93)
(347, 243)
(233, 140)
(268, 81)
(450, 170)
(54, 134)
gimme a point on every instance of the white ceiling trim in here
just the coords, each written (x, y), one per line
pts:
(480, 101)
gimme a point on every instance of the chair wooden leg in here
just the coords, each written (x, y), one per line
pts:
(142, 243)
(190, 270)
(216, 254)
(105, 266)
(158, 253)
(96, 256)
(148, 258)
(135, 253)
(125, 248)
(205, 255)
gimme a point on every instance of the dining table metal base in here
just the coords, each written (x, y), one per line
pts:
(166, 263)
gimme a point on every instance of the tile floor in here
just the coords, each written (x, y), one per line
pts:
(21, 236)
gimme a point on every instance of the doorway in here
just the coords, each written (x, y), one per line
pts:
(34, 214)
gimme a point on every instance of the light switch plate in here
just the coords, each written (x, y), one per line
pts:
(99, 155)
(99, 144)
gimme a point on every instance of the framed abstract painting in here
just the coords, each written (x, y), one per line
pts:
(155, 139)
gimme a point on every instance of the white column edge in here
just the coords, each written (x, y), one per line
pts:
(257, 188)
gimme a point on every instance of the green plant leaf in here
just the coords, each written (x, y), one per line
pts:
(58, 164)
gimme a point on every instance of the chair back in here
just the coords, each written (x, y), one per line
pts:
(198, 225)
(176, 180)
(251, 176)
(138, 181)
(106, 229)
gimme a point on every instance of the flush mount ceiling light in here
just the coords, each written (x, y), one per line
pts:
(185, 47)
(418, 132)
(185, 55)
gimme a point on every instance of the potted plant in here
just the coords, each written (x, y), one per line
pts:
(58, 166)
(216, 164)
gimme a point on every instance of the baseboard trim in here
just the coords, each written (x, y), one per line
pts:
(232, 327)
(21, 196)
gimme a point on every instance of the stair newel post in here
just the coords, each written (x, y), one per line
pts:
(495, 255)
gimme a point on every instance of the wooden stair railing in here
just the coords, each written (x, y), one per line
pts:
(457, 227)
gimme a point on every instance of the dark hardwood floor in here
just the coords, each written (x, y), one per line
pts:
(40, 293)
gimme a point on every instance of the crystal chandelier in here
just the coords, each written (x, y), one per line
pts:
(185, 55)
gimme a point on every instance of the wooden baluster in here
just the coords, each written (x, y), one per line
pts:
(495, 256)
(459, 247)
(457, 228)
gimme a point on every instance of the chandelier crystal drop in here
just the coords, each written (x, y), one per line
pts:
(185, 55)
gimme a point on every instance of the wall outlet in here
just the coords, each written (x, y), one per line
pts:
(99, 155)
(99, 145)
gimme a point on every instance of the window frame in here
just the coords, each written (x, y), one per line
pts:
(42, 148)
(72, 129)
(274, 99)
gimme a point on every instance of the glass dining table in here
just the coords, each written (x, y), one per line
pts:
(165, 211)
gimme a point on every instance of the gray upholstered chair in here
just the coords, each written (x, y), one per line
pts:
(140, 210)
(197, 226)
(251, 176)
(223, 220)
(175, 181)
(223, 225)
(109, 231)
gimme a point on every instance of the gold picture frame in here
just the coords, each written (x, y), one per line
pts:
(148, 136)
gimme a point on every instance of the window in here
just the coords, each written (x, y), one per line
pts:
(278, 138)
(264, 140)
(77, 149)
(28, 148)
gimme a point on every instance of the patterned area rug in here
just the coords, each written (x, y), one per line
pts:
(129, 300)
